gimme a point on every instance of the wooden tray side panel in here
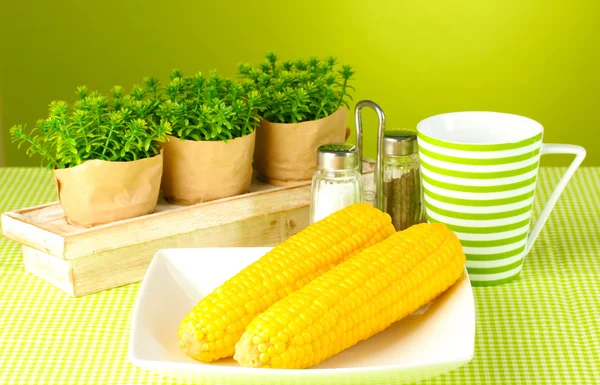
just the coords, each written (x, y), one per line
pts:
(171, 223)
(97, 272)
(57, 272)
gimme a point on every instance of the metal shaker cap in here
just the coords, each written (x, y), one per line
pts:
(337, 157)
(399, 144)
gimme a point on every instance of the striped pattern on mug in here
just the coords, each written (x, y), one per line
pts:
(484, 193)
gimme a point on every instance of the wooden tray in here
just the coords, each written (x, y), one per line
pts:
(82, 261)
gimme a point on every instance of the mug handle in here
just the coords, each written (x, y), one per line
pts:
(579, 153)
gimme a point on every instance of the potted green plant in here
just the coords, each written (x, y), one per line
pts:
(105, 153)
(209, 153)
(306, 105)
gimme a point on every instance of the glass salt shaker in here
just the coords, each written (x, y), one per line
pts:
(337, 183)
(401, 187)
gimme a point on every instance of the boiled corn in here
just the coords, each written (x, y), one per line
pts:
(354, 300)
(211, 330)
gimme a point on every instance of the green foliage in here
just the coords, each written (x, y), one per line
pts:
(298, 91)
(209, 108)
(121, 128)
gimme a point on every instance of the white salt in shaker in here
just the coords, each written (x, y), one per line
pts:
(338, 181)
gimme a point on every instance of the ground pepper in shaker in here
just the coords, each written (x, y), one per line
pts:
(337, 183)
(402, 192)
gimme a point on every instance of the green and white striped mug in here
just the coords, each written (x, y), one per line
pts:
(479, 173)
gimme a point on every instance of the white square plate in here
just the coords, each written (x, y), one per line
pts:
(415, 348)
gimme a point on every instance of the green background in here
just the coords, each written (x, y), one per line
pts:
(415, 58)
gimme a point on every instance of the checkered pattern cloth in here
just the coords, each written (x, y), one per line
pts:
(543, 328)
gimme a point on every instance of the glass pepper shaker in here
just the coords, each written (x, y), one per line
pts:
(402, 192)
(337, 183)
(397, 176)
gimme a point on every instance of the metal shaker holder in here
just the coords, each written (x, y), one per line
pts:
(378, 173)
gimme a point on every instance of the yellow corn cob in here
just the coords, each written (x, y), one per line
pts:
(211, 330)
(354, 300)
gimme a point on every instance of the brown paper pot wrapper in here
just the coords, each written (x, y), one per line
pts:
(97, 191)
(286, 153)
(201, 171)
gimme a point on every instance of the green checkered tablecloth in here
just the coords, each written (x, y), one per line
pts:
(544, 328)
